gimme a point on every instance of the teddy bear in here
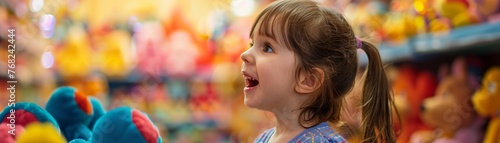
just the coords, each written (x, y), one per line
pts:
(72, 110)
(123, 125)
(486, 101)
(16, 117)
(450, 110)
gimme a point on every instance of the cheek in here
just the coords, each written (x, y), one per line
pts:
(278, 73)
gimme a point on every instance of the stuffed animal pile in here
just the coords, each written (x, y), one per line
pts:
(71, 116)
(449, 112)
(411, 87)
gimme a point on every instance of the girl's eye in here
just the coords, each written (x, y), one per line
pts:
(268, 49)
(251, 44)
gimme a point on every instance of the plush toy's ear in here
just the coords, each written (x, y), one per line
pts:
(459, 68)
(125, 125)
(41, 132)
(145, 126)
(155, 127)
(98, 111)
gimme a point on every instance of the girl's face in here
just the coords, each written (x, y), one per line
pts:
(269, 72)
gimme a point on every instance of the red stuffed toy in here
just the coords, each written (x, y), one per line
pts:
(410, 89)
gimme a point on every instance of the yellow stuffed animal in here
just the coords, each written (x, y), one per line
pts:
(485, 102)
(41, 133)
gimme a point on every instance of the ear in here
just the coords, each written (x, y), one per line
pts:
(443, 71)
(310, 81)
(459, 68)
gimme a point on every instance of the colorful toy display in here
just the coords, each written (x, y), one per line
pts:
(178, 63)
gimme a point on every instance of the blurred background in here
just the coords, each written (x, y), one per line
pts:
(178, 60)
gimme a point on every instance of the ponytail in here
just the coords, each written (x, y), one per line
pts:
(376, 125)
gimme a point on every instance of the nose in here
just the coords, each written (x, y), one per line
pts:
(247, 56)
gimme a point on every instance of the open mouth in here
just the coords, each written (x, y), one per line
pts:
(251, 82)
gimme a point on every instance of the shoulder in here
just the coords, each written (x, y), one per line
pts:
(321, 133)
(264, 136)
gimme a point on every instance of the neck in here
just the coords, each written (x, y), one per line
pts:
(287, 116)
(287, 119)
(287, 122)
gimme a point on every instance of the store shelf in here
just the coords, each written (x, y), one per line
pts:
(484, 38)
(389, 53)
(458, 39)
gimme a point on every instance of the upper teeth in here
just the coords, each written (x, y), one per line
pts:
(249, 78)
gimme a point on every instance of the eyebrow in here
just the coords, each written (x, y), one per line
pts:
(275, 43)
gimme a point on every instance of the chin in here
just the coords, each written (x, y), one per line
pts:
(248, 103)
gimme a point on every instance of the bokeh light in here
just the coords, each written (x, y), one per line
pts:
(36, 5)
(47, 25)
(243, 8)
(47, 59)
(419, 6)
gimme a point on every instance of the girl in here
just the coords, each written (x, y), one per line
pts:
(301, 64)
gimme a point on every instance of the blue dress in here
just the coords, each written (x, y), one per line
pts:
(321, 133)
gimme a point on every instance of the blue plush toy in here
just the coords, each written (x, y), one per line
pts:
(123, 125)
(98, 111)
(18, 115)
(73, 112)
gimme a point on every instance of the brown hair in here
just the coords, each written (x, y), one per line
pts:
(321, 37)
